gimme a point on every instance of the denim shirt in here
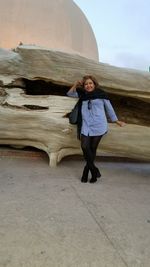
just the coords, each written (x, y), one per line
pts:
(94, 116)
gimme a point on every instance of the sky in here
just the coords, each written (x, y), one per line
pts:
(122, 31)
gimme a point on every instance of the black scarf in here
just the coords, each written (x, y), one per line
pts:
(98, 93)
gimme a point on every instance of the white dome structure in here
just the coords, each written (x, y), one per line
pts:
(59, 25)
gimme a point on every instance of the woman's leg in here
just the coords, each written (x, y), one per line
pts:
(85, 173)
(85, 145)
(94, 145)
(89, 157)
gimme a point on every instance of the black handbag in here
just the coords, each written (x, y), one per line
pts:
(73, 115)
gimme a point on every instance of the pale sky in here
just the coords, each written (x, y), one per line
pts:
(122, 31)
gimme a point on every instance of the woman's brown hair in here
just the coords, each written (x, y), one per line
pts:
(86, 77)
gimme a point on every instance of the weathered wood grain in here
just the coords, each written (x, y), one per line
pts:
(39, 121)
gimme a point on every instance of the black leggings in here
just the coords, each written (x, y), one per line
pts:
(89, 146)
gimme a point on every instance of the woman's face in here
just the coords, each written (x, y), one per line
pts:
(89, 86)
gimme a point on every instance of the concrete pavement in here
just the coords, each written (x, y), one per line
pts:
(48, 218)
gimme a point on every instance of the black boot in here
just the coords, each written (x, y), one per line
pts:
(84, 177)
(98, 173)
(94, 176)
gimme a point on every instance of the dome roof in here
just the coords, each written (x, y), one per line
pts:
(59, 25)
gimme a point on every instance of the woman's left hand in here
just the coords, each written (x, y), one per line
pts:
(120, 123)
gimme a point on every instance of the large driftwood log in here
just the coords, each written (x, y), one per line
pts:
(38, 120)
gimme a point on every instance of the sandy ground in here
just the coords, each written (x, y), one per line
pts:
(48, 218)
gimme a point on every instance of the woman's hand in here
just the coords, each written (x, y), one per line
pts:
(74, 86)
(120, 123)
(77, 84)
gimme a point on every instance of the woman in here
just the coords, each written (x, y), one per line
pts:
(92, 123)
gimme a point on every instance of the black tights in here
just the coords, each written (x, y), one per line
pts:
(89, 146)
